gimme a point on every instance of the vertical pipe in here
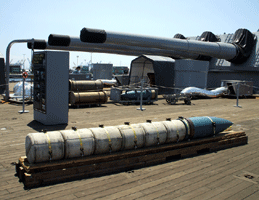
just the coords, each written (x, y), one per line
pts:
(23, 79)
(141, 95)
(237, 93)
(32, 52)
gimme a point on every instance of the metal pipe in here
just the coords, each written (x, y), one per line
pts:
(214, 49)
(237, 94)
(75, 42)
(7, 67)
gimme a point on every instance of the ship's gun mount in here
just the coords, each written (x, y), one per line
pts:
(236, 52)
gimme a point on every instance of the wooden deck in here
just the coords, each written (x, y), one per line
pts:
(227, 174)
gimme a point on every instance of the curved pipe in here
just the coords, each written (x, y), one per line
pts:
(7, 69)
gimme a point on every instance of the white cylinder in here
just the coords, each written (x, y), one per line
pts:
(42, 147)
(107, 139)
(155, 133)
(176, 130)
(78, 143)
(133, 136)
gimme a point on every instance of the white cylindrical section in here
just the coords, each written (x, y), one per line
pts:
(56, 145)
(214, 49)
(78, 143)
(155, 133)
(133, 136)
(107, 139)
(176, 130)
(42, 147)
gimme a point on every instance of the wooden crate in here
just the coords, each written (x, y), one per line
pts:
(35, 175)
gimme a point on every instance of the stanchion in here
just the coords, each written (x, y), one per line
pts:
(141, 96)
(237, 93)
(24, 75)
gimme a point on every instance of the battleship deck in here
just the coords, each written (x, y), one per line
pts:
(232, 173)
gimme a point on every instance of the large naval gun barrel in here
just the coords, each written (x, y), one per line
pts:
(73, 43)
(43, 45)
(236, 52)
(64, 144)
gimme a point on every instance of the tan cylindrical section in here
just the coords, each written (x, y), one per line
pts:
(176, 130)
(107, 139)
(155, 133)
(87, 85)
(154, 94)
(78, 143)
(133, 136)
(87, 98)
(42, 147)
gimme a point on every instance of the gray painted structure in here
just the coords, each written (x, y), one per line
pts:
(55, 89)
(169, 75)
(202, 74)
(220, 69)
(102, 71)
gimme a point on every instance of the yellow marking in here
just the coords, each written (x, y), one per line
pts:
(109, 138)
(229, 128)
(210, 119)
(80, 139)
(156, 132)
(49, 144)
(214, 128)
(135, 135)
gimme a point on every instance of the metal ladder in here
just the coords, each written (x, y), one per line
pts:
(228, 39)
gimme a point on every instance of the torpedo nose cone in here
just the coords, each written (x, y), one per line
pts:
(208, 126)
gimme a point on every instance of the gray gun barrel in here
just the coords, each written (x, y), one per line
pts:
(234, 52)
(72, 42)
(43, 45)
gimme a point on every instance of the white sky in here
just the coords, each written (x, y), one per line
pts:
(28, 19)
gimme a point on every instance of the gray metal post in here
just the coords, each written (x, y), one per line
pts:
(23, 91)
(141, 96)
(32, 52)
(7, 68)
(238, 84)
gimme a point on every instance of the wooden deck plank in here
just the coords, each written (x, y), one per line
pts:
(244, 193)
(188, 179)
(253, 196)
(216, 188)
(117, 192)
(166, 183)
(228, 193)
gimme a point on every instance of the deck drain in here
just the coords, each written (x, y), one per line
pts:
(248, 176)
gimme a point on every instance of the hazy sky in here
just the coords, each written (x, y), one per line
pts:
(28, 19)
